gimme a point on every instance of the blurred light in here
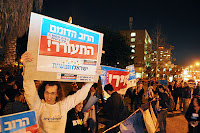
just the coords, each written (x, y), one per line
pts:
(21, 60)
(191, 66)
(185, 72)
(197, 64)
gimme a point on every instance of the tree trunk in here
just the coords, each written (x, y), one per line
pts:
(10, 53)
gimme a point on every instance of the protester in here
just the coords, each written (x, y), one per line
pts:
(171, 87)
(181, 99)
(75, 120)
(10, 92)
(131, 94)
(19, 105)
(149, 93)
(51, 107)
(186, 97)
(91, 116)
(193, 116)
(176, 94)
(74, 88)
(196, 92)
(163, 105)
(139, 93)
(114, 108)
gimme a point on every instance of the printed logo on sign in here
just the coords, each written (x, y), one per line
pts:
(63, 40)
(68, 76)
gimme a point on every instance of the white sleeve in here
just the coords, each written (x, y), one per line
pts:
(72, 100)
(31, 95)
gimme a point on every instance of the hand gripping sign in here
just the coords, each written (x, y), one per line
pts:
(62, 51)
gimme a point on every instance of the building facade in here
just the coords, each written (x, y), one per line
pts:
(141, 44)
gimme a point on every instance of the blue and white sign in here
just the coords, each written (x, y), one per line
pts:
(131, 68)
(19, 122)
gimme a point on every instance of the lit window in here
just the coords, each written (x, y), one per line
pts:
(168, 55)
(132, 39)
(133, 34)
(145, 52)
(155, 51)
(149, 40)
(133, 50)
(164, 55)
(132, 46)
(161, 51)
(163, 69)
(160, 59)
(145, 40)
(132, 57)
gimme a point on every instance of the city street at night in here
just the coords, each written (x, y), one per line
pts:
(74, 66)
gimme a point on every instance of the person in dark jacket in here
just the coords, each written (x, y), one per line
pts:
(163, 104)
(196, 92)
(186, 97)
(193, 116)
(176, 94)
(181, 95)
(19, 105)
(114, 108)
(131, 94)
(10, 92)
(75, 120)
(139, 93)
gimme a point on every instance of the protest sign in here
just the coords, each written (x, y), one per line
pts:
(62, 51)
(132, 80)
(116, 77)
(92, 100)
(19, 123)
(133, 124)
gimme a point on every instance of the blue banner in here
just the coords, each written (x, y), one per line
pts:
(163, 82)
(133, 124)
(19, 122)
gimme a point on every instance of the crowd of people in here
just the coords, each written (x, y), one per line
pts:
(57, 112)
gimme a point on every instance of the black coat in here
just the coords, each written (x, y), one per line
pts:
(115, 108)
(75, 122)
(189, 118)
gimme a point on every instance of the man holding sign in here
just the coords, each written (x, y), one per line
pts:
(51, 107)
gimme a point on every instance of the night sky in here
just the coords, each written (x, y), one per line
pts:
(179, 19)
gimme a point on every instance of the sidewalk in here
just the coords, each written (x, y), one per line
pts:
(176, 123)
